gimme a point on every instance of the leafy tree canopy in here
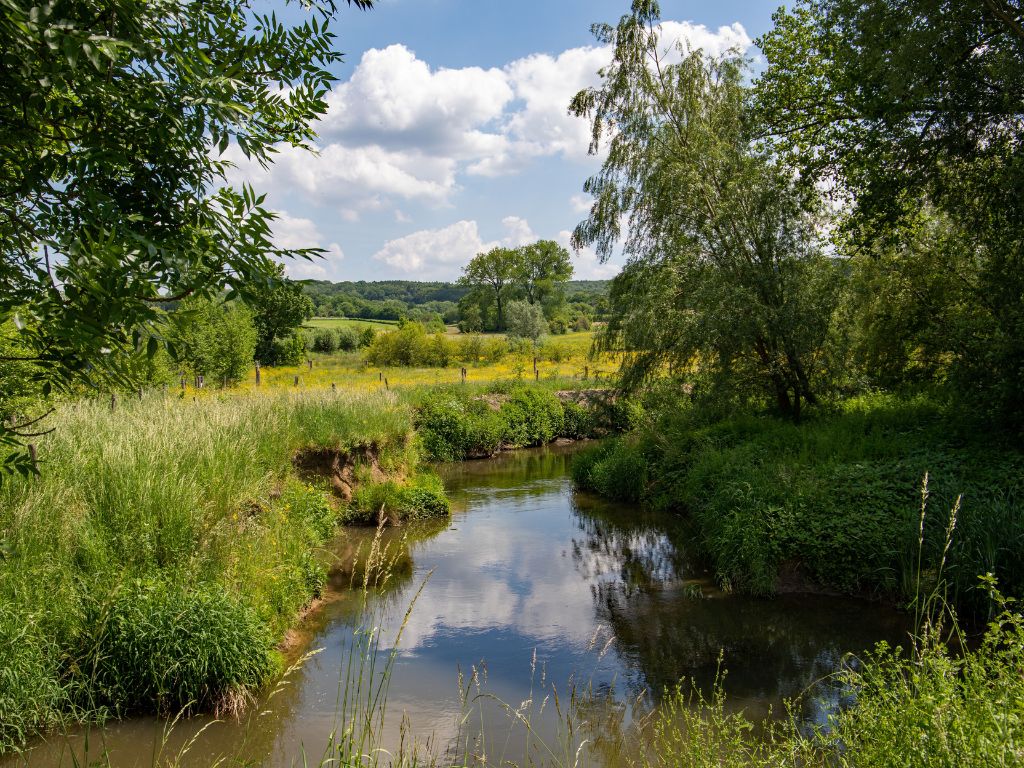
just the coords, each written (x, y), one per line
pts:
(114, 117)
(914, 110)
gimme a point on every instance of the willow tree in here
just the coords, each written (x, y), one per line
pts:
(724, 269)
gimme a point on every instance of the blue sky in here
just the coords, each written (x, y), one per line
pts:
(447, 132)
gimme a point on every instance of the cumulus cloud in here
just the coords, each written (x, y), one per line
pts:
(581, 203)
(434, 253)
(585, 263)
(440, 254)
(296, 232)
(400, 130)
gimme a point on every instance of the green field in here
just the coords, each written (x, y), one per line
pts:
(344, 322)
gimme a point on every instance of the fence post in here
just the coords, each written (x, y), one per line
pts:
(586, 372)
(380, 375)
(386, 383)
(113, 400)
(333, 386)
(536, 374)
(310, 361)
(257, 373)
(32, 456)
(296, 379)
(140, 393)
(183, 383)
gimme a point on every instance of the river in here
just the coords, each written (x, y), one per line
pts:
(531, 590)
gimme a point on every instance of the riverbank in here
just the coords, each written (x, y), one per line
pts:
(168, 545)
(836, 502)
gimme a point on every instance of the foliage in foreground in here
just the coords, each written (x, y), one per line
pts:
(935, 707)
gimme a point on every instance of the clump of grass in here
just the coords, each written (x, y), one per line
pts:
(614, 468)
(155, 646)
(419, 498)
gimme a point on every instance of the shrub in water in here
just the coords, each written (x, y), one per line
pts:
(615, 469)
(165, 647)
(421, 498)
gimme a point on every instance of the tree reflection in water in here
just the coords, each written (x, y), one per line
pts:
(670, 622)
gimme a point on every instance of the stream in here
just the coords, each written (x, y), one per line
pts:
(531, 590)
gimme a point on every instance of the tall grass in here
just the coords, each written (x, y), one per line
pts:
(165, 548)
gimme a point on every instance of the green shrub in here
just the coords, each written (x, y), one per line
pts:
(422, 497)
(615, 468)
(453, 427)
(163, 647)
(290, 350)
(577, 421)
(325, 341)
(349, 339)
(411, 345)
(532, 417)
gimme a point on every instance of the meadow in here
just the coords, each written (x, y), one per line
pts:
(564, 359)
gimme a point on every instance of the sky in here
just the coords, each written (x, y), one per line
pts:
(447, 132)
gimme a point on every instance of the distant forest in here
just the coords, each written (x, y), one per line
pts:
(425, 301)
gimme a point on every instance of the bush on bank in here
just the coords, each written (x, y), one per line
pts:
(456, 423)
(835, 502)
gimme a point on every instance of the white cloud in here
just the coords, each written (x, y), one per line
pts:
(581, 203)
(401, 134)
(295, 232)
(585, 263)
(434, 253)
(517, 232)
(440, 254)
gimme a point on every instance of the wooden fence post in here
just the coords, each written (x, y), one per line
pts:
(257, 373)
(386, 383)
(113, 400)
(536, 374)
(334, 386)
(296, 379)
(310, 361)
(586, 372)
(140, 393)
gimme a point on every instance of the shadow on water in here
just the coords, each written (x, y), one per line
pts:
(529, 582)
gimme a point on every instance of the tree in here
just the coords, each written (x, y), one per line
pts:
(472, 320)
(494, 272)
(526, 320)
(541, 269)
(114, 120)
(216, 339)
(723, 266)
(279, 308)
(912, 109)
